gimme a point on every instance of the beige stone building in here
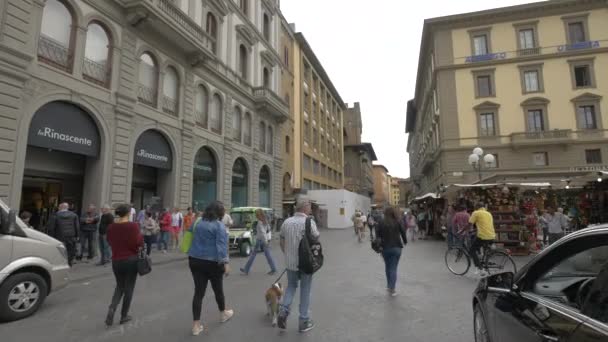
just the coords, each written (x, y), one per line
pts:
(395, 191)
(524, 83)
(287, 43)
(358, 156)
(382, 186)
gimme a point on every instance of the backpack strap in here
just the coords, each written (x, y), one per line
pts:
(307, 227)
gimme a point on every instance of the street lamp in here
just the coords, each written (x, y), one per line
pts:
(475, 160)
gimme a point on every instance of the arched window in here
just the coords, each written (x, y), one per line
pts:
(97, 62)
(236, 124)
(266, 78)
(56, 44)
(266, 28)
(211, 29)
(240, 177)
(262, 140)
(264, 187)
(287, 144)
(201, 106)
(286, 56)
(148, 79)
(243, 61)
(270, 141)
(170, 91)
(247, 129)
(216, 114)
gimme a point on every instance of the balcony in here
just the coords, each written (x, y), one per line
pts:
(556, 136)
(267, 100)
(592, 44)
(162, 18)
(528, 52)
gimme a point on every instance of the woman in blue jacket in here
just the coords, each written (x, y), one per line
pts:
(208, 260)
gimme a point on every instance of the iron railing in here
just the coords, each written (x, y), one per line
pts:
(95, 72)
(556, 134)
(146, 95)
(169, 105)
(187, 23)
(528, 52)
(201, 118)
(54, 53)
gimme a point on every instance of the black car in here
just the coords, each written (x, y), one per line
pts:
(559, 296)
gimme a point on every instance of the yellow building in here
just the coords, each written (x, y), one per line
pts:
(524, 83)
(395, 192)
(287, 43)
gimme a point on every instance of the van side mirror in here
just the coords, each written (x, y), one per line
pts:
(8, 222)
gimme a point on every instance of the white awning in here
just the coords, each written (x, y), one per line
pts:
(429, 195)
(476, 185)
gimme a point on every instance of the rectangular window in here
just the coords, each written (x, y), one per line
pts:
(307, 163)
(526, 39)
(487, 126)
(531, 81)
(316, 186)
(306, 131)
(582, 76)
(480, 44)
(576, 32)
(593, 156)
(586, 117)
(315, 167)
(484, 86)
(540, 159)
(307, 184)
(315, 138)
(535, 120)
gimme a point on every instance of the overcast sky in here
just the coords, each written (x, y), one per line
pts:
(370, 51)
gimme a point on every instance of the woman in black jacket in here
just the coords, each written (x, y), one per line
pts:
(392, 235)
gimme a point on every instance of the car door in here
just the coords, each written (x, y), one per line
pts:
(590, 331)
(6, 250)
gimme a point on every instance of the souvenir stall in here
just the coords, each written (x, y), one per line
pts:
(430, 207)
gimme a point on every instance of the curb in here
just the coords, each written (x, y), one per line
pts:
(104, 274)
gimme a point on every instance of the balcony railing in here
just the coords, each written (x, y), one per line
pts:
(200, 118)
(266, 99)
(542, 137)
(146, 95)
(54, 53)
(187, 23)
(95, 72)
(528, 52)
(169, 105)
(592, 44)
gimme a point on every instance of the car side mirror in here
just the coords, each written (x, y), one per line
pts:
(501, 282)
(8, 222)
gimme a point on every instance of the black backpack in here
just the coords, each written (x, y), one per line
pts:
(310, 252)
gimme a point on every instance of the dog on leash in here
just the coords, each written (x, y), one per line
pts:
(273, 298)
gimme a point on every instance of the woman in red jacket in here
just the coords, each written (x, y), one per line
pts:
(126, 240)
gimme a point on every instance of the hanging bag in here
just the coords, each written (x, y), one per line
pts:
(310, 252)
(184, 247)
(144, 263)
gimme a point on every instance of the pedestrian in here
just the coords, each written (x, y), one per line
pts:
(189, 218)
(557, 222)
(371, 223)
(460, 226)
(227, 221)
(411, 227)
(263, 235)
(208, 261)
(141, 217)
(544, 224)
(485, 235)
(449, 217)
(151, 230)
(393, 238)
(104, 222)
(164, 222)
(25, 218)
(88, 227)
(292, 231)
(65, 227)
(126, 240)
(422, 223)
(359, 227)
(133, 214)
(177, 220)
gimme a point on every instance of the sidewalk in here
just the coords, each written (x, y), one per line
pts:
(82, 271)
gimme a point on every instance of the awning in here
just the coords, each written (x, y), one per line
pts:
(153, 150)
(430, 195)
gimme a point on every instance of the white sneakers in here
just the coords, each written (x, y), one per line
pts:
(226, 315)
(197, 329)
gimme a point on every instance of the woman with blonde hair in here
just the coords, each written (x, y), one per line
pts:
(263, 230)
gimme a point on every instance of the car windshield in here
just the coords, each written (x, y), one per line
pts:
(241, 219)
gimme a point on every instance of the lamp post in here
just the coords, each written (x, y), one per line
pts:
(476, 157)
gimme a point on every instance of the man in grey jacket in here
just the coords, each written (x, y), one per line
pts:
(65, 227)
(556, 223)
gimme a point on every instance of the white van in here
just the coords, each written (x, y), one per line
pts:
(32, 265)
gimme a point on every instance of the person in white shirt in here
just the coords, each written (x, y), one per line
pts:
(227, 221)
(133, 215)
(177, 220)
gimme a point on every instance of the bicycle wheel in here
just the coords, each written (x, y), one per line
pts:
(499, 261)
(457, 260)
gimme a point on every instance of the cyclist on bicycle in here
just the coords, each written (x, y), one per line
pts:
(484, 222)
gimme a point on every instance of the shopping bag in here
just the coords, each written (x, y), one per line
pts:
(188, 237)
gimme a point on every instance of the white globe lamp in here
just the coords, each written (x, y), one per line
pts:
(473, 159)
(478, 151)
(489, 159)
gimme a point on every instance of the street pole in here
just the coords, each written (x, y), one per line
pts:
(479, 170)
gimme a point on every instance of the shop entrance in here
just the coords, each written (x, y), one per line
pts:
(61, 163)
(152, 166)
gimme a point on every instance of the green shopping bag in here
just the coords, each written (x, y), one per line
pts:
(188, 237)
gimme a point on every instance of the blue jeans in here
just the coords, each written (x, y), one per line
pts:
(305, 280)
(163, 240)
(451, 237)
(391, 261)
(104, 249)
(260, 244)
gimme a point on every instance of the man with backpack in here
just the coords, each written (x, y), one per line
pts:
(65, 227)
(293, 232)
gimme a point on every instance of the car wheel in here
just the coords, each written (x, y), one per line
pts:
(21, 295)
(480, 326)
(245, 248)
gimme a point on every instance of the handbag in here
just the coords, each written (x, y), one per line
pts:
(144, 263)
(184, 247)
(376, 243)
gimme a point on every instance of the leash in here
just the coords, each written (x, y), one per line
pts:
(280, 276)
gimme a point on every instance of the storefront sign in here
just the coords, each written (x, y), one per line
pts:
(589, 168)
(64, 127)
(152, 149)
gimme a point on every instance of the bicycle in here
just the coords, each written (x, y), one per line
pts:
(492, 259)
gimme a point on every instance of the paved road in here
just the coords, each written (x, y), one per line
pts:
(349, 303)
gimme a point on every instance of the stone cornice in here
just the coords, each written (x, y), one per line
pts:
(247, 34)
(269, 58)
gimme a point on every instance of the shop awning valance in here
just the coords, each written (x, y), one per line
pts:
(430, 195)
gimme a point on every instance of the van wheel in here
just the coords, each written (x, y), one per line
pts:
(21, 295)
(245, 248)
